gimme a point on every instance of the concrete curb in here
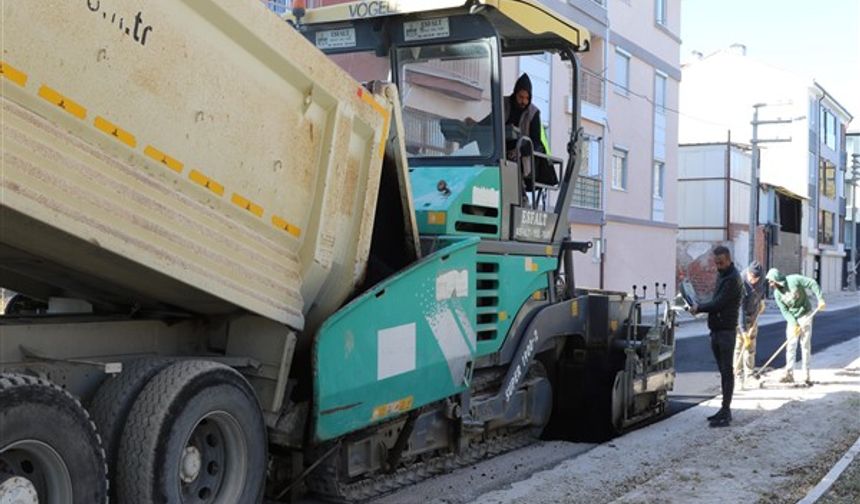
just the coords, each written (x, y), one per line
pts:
(830, 478)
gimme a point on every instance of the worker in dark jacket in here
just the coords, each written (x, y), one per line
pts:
(522, 113)
(722, 312)
(519, 111)
(752, 304)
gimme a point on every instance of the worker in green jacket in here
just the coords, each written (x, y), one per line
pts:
(792, 300)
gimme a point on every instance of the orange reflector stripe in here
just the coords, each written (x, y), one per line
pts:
(13, 74)
(163, 158)
(370, 100)
(206, 182)
(247, 204)
(61, 101)
(280, 223)
(115, 131)
(436, 218)
(393, 408)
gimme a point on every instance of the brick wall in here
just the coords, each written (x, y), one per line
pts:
(696, 264)
(787, 255)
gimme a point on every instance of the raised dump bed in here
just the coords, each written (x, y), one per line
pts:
(199, 155)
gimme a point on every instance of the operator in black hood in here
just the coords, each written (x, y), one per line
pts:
(522, 113)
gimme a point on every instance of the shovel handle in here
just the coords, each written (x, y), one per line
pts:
(772, 357)
(758, 373)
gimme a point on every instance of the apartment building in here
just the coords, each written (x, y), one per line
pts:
(852, 220)
(717, 99)
(625, 200)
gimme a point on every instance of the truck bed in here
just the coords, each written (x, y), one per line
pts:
(218, 163)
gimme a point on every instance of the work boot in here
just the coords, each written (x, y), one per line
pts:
(787, 378)
(719, 414)
(723, 420)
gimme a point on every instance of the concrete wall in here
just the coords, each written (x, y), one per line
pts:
(637, 255)
(705, 206)
(787, 255)
(831, 272)
(587, 266)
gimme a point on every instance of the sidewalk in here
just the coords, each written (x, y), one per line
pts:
(689, 326)
(766, 455)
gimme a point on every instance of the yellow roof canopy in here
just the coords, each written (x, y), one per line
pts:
(515, 20)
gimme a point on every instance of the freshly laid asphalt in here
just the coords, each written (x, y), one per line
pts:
(697, 378)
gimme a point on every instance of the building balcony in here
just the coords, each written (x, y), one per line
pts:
(587, 193)
(591, 87)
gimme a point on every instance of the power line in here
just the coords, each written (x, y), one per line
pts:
(607, 80)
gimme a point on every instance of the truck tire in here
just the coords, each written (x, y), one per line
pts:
(195, 434)
(49, 445)
(113, 402)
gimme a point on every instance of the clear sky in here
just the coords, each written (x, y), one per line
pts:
(818, 38)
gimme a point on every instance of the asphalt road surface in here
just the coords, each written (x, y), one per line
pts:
(697, 378)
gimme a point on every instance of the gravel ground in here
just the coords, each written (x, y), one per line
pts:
(782, 442)
(809, 473)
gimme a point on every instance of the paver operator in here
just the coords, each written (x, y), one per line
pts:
(752, 305)
(521, 112)
(722, 312)
(793, 301)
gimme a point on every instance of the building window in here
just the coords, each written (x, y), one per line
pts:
(591, 157)
(587, 191)
(825, 227)
(622, 72)
(842, 229)
(660, 93)
(827, 179)
(828, 128)
(539, 69)
(830, 139)
(659, 179)
(619, 169)
(660, 12)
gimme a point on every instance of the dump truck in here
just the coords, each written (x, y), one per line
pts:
(256, 256)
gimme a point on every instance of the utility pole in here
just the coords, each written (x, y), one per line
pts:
(755, 172)
(855, 174)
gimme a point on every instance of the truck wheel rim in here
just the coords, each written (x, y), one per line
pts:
(40, 467)
(17, 490)
(213, 464)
